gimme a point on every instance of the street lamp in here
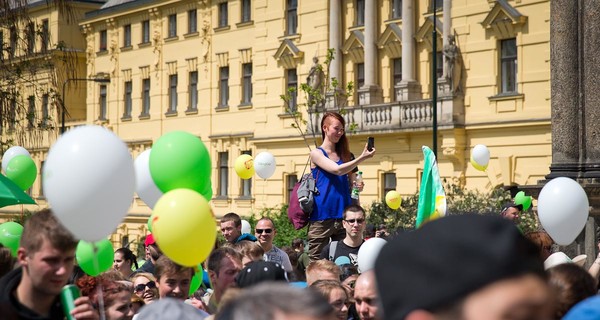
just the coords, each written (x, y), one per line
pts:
(103, 78)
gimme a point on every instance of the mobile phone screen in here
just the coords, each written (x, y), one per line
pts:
(370, 143)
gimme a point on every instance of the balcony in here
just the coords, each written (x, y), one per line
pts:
(399, 116)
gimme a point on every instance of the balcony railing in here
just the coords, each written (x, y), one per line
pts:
(398, 115)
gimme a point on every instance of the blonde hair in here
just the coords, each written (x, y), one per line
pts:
(249, 249)
(321, 266)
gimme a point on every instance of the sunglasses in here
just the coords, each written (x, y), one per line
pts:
(359, 221)
(141, 287)
(267, 231)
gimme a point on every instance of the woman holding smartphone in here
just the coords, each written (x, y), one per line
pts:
(331, 166)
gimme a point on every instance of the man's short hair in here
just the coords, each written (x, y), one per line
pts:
(165, 266)
(45, 225)
(232, 216)
(265, 301)
(249, 249)
(322, 265)
(354, 208)
(215, 258)
(297, 242)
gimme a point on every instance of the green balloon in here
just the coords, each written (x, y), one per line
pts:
(10, 236)
(180, 160)
(207, 193)
(149, 223)
(22, 171)
(522, 199)
(94, 258)
(196, 280)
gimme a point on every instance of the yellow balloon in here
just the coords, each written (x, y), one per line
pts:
(393, 199)
(477, 165)
(184, 227)
(244, 166)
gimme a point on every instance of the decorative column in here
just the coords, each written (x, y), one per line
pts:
(447, 30)
(408, 89)
(371, 92)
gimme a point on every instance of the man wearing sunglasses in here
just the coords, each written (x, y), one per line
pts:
(265, 232)
(346, 251)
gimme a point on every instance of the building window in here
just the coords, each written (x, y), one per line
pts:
(30, 38)
(12, 114)
(223, 86)
(439, 67)
(223, 14)
(246, 187)
(41, 194)
(1, 45)
(389, 182)
(172, 25)
(13, 42)
(31, 111)
(246, 10)
(292, 17)
(508, 65)
(397, 70)
(127, 99)
(146, 97)
(102, 102)
(127, 36)
(103, 40)
(292, 89)
(45, 111)
(290, 182)
(45, 35)
(247, 83)
(360, 75)
(193, 91)
(173, 93)
(192, 21)
(145, 31)
(360, 12)
(396, 9)
(223, 173)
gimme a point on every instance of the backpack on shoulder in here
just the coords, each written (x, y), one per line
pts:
(302, 200)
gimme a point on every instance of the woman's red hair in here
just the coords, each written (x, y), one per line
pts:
(342, 147)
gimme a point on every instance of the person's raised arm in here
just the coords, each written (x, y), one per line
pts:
(319, 159)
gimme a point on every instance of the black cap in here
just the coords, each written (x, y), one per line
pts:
(449, 258)
(512, 205)
(260, 271)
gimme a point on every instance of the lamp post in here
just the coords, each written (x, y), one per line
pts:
(434, 78)
(64, 105)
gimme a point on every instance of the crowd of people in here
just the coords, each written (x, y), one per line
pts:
(463, 266)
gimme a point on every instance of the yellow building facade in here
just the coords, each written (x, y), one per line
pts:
(218, 68)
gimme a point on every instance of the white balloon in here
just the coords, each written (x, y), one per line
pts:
(144, 185)
(89, 181)
(264, 165)
(481, 155)
(11, 153)
(563, 209)
(246, 227)
(368, 252)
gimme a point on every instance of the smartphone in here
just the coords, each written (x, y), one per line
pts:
(370, 143)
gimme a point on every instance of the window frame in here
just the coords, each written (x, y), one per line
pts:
(103, 102)
(246, 184)
(45, 109)
(193, 91)
(127, 99)
(31, 111)
(384, 182)
(172, 26)
(30, 35)
(359, 13)
(247, 83)
(291, 17)
(246, 11)
(223, 162)
(103, 40)
(290, 183)
(223, 17)
(292, 82)
(146, 86)
(192, 21)
(224, 86)
(173, 81)
(45, 35)
(127, 35)
(396, 9)
(508, 81)
(145, 31)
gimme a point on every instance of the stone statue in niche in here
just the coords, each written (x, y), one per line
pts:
(315, 80)
(453, 65)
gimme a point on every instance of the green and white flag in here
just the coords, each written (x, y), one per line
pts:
(432, 198)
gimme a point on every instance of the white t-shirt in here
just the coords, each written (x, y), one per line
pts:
(279, 256)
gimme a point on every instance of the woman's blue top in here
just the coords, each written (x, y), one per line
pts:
(334, 194)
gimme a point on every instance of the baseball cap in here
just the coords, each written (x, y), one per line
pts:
(149, 240)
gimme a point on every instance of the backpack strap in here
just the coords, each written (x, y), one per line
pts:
(332, 247)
